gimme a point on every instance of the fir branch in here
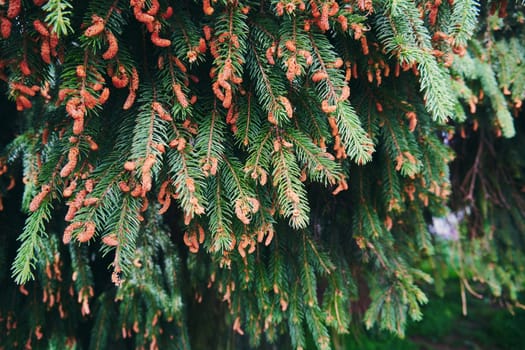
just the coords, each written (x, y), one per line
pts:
(336, 301)
(296, 317)
(313, 314)
(103, 322)
(356, 142)
(499, 105)
(83, 279)
(258, 162)
(423, 238)
(32, 239)
(249, 121)
(58, 13)
(238, 190)
(313, 120)
(463, 21)
(391, 187)
(435, 86)
(291, 192)
(185, 38)
(402, 33)
(187, 179)
(320, 165)
(268, 81)
(210, 140)
(400, 149)
(220, 214)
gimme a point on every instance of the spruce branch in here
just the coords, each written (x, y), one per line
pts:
(290, 190)
(58, 16)
(32, 236)
(463, 21)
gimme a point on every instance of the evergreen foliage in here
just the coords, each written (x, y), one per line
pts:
(271, 166)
